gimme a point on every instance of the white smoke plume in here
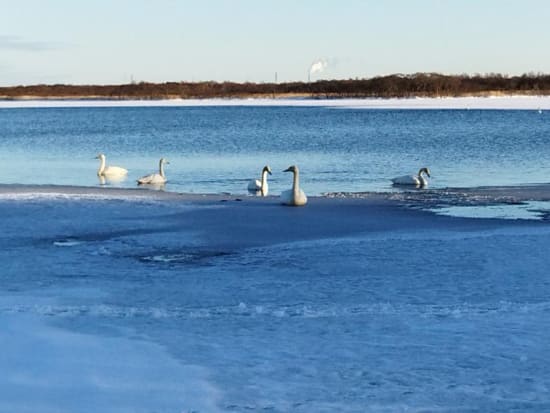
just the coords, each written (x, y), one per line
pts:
(318, 66)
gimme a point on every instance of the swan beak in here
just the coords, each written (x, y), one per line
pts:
(269, 172)
(287, 169)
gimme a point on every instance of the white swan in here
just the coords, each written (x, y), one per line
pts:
(416, 180)
(294, 196)
(109, 171)
(159, 178)
(256, 185)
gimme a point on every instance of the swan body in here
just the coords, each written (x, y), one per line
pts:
(416, 180)
(154, 178)
(109, 171)
(294, 196)
(257, 185)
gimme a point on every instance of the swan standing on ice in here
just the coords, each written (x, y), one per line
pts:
(255, 185)
(416, 180)
(157, 179)
(294, 196)
(109, 171)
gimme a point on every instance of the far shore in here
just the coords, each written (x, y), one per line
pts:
(396, 85)
(275, 96)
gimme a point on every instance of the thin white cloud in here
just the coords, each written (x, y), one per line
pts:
(17, 43)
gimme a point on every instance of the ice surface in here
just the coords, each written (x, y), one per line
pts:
(47, 369)
(497, 102)
(350, 304)
(526, 210)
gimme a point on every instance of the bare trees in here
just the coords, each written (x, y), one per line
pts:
(395, 85)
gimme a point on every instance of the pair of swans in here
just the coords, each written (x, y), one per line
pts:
(297, 197)
(291, 197)
(117, 173)
(418, 180)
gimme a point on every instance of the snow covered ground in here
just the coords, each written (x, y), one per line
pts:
(114, 301)
(496, 102)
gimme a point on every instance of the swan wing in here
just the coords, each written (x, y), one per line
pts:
(300, 199)
(145, 179)
(254, 185)
(406, 180)
(286, 197)
(114, 170)
(289, 198)
(152, 179)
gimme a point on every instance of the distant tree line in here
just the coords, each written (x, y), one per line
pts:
(395, 85)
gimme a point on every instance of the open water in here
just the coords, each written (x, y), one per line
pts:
(218, 149)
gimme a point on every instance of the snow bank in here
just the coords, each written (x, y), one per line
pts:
(496, 102)
(48, 369)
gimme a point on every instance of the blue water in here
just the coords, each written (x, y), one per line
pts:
(217, 149)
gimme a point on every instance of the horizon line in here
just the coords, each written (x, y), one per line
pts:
(395, 74)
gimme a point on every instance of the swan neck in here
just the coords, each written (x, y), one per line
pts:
(101, 166)
(421, 178)
(264, 179)
(296, 182)
(161, 168)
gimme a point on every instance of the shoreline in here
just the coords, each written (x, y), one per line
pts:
(512, 102)
(525, 191)
(427, 200)
(223, 222)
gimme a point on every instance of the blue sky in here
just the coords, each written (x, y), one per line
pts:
(111, 42)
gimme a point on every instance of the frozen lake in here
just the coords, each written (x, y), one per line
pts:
(369, 299)
(123, 303)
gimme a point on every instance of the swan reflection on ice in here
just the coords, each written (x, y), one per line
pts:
(112, 179)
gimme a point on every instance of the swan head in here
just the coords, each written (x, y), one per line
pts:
(164, 161)
(267, 169)
(424, 170)
(100, 156)
(292, 168)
